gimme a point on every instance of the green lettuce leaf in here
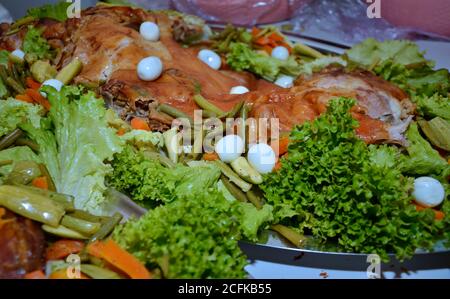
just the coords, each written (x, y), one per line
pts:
(14, 112)
(37, 46)
(188, 238)
(56, 11)
(253, 220)
(371, 52)
(422, 159)
(343, 191)
(242, 57)
(435, 105)
(75, 141)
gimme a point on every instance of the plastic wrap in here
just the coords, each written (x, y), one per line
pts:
(241, 12)
(348, 20)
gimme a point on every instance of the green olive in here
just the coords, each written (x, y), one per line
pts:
(23, 173)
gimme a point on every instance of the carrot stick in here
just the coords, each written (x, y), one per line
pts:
(24, 98)
(121, 132)
(63, 248)
(276, 37)
(210, 156)
(38, 274)
(111, 252)
(32, 84)
(438, 215)
(40, 182)
(139, 124)
(38, 98)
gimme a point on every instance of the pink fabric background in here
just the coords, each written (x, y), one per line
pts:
(428, 15)
(242, 12)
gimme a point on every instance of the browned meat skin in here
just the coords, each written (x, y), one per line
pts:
(22, 246)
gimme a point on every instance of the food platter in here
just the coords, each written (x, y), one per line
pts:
(343, 177)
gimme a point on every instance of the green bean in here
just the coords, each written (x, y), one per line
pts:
(208, 106)
(292, 236)
(15, 59)
(161, 158)
(44, 171)
(79, 225)
(64, 232)
(31, 205)
(243, 130)
(65, 200)
(23, 173)
(10, 138)
(96, 272)
(107, 228)
(234, 190)
(6, 162)
(306, 50)
(22, 21)
(12, 31)
(174, 112)
(69, 71)
(232, 176)
(15, 85)
(3, 73)
(27, 142)
(235, 110)
(15, 74)
(255, 199)
(83, 215)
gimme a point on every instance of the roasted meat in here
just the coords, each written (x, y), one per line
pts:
(107, 41)
(22, 245)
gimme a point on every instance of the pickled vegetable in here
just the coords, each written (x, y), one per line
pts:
(31, 205)
(246, 171)
(23, 173)
(79, 225)
(64, 232)
(97, 272)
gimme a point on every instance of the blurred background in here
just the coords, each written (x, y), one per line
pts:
(341, 22)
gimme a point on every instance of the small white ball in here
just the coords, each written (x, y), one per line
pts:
(210, 58)
(18, 53)
(56, 84)
(229, 148)
(280, 53)
(149, 68)
(149, 31)
(285, 81)
(262, 157)
(239, 90)
(428, 192)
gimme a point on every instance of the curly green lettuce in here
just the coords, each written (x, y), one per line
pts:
(335, 187)
(421, 158)
(193, 237)
(35, 45)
